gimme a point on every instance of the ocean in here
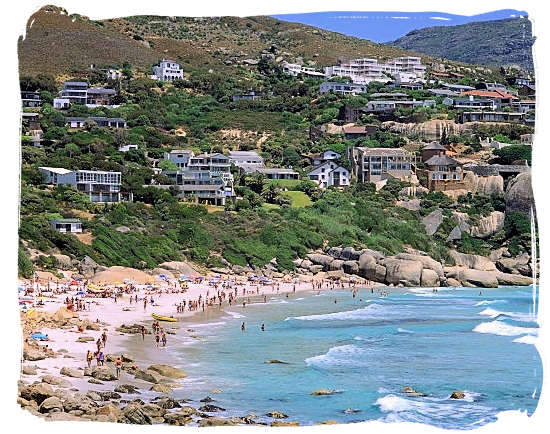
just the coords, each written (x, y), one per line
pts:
(367, 349)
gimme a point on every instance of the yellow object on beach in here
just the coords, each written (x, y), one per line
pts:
(164, 318)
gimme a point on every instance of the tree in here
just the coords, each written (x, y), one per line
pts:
(168, 166)
(71, 149)
(270, 193)
(512, 153)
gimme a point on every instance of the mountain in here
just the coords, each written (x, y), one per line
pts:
(57, 43)
(388, 26)
(495, 43)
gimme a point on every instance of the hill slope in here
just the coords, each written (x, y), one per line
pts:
(59, 43)
(500, 43)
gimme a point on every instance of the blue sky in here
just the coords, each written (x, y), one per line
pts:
(388, 26)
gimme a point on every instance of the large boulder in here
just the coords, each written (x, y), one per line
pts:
(103, 373)
(56, 381)
(168, 371)
(134, 413)
(64, 262)
(320, 259)
(427, 262)
(513, 279)
(484, 279)
(521, 264)
(87, 267)
(351, 267)
(179, 267)
(432, 221)
(51, 405)
(429, 278)
(335, 252)
(149, 376)
(475, 262)
(70, 372)
(37, 392)
(335, 265)
(519, 194)
(489, 225)
(350, 254)
(403, 271)
(373, 271)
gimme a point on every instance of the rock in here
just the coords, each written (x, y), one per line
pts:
(457, 394)
(335, 265)
(519, 194)
(37, 392)
(427, 262)
(79, 402)
(452, 282)
(320, 259)
(149, 376)
(94, 381)
(206, 399)
(51, 405)
(316, 269)
(133, 413)
(167, 371)
(33, 354)
(161, 388)
(179, 267)
(56, 381)
(513, 279)
(455, 234)
(432, 221)
(489, 185)
(103, 373)
(485, 279)
(276, 415)
(412, 392)
(411, 205)
(168, 403)
(63, 261)
(70, 372)
(489, 225)
(323, 392)
(403, 271)
(278, 362)
(472, 261)
(28, 370)
(351, 267)
(281, 423)
(107, 395)
(498, 254)
(335, 252)
(429, 130)
(126, 388)
(215, 421)
(122, 229)
(84, 339)
(518, 265)
(209, 408)
(429, 278)
(153, 410)
(329, 422)
(87, 267)
(110, 410)
(177, 419)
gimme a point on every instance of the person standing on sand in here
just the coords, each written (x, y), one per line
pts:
(163, 339)
(157, 339)
(89, 357)
(144, 303)
(118, 366)
(104, 338)
(101, 358)
(98, 344)
(142, 333)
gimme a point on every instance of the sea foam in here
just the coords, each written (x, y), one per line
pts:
(343, 355)
(516, 316)
(347, 315)
(503, 329)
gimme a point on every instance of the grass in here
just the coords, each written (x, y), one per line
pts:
(289, 184)
(299, 199)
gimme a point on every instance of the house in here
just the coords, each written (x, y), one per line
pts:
(246, 160)
(168, 70)
(127, 148)
(431, 149)
(456, 87)
(80, 122)
(389, 95)
(322, 158)
(500, 98)
(30, 99)
(391, 105)
(443, 173)
(490, 116)
(113, 74)
(99, 96)
(295, 70)
(100, 186)
(61, 103)
(443, 92)
(471, 102)
(527, 90)
(213, 194)
(411, 86)
(75, 91)
(342, 88)
(72, 226)
(524, 105)
(278, 173)
(378, 164)
(526, 139)
(252, 95)
(180, 157)
(522, 81)
(492, 86)
(330, 174)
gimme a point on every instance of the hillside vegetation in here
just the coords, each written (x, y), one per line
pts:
(494, 43)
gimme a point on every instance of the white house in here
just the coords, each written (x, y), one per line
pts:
(180, 157)
(168, 70)
(330, 174)
(61, 103)
(127, 148)
(246, 160)
(322, 158)
(73, 226)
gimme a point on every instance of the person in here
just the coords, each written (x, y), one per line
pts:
(98, 344)
(242, 327)
(104, 338)
(101, 358)
(89, 357)
(163, 339)
(263, 327)
(142, 333)
(118, 366)
(157, 339)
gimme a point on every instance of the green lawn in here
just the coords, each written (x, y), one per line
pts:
(299, 199)
(284, 183)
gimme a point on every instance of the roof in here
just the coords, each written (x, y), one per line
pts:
(181, 151)
(457, 86)
(489, 94)
(355, 130)
(389, 94)
(92, 118)
(441, 160)
(276, 170)
(101, 90)
(383, 151)
(58, 170)
(204, 187)
(447, 92)
(66, 220)
(243, 154)
(434, 146)
(75, 83)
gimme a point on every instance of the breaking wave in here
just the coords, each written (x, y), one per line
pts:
(503, 329)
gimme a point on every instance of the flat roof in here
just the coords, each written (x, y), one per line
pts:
(206, 187)
(383, 151)
(58, 170)
(66, 220)
(275, 170)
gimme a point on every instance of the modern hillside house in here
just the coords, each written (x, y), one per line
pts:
(71, 226)
(78, 92)
(490, 116)
(246, 160)
(180, 157)
(431, 149)
(330, 174)
(100, 186)
(75, 91)
(80, 122)
(343, 88)
(100, 97)
(378, 164)
(324, 157)
(295, 70)
(30, 99)
(168, 70)
(278, 173)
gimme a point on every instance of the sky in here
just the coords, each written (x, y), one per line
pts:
(389, 26)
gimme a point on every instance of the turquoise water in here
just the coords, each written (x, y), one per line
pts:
(368, 348)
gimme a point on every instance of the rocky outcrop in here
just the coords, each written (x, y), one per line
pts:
(87, 267)
(475, 262)
(489, 225)
(521, 264)
(432, 221)
(167, 371)
(179, 267)
(430, 130)
(402, 271)
(519, 194)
